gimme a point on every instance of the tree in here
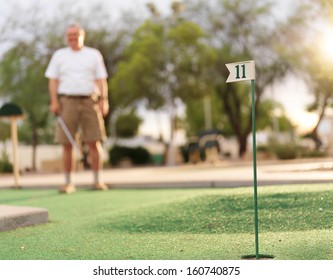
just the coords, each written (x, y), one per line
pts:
(242, 30)
(307, 59)
(319, 80)
(311, 63)
(166, 61)
(22, 78)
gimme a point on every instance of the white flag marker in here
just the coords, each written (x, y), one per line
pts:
(241, 71)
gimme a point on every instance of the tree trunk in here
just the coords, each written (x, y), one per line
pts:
(242, 142)
(314, 133)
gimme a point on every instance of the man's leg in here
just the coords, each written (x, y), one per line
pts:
(69, 115)
(96, 160)
(68, 167)
(68, 158)
(93, 132)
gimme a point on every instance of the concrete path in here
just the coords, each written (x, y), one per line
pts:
(223, 174)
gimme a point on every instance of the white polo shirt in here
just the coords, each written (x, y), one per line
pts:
(77, 70)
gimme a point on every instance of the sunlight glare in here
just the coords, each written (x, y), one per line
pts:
(327, 43)
(304, 121)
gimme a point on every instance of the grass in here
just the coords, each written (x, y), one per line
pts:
(295, 222)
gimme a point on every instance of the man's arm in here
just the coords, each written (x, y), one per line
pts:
(104, 99)
(53, 91)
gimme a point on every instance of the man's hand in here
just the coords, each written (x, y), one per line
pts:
(54, 107)
(53, 89)
(104, 100)
(104, 106)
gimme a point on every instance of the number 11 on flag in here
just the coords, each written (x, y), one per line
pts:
(241, 71)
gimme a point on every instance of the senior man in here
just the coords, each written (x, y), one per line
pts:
(79, 94)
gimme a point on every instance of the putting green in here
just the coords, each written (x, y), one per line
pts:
(295, 222)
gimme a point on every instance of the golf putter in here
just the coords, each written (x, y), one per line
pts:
(68, 134)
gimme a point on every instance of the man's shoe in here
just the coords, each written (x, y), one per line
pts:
(101, 187)
(68, 188)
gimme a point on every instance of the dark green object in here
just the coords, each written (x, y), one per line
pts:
(136, 155)
(10, 110)
(6, 167)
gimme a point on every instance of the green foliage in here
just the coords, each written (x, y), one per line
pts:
(45, 134)
(163, 61)
(4, 131)
(290, 150)
(271, 111)
(5, 164)
(285, 150)
(285, 123)
(136, 155)
(195, 122)
(306, 153)
(22, 80)
(127, 125)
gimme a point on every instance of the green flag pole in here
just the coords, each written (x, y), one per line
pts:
(245, 71)
(254, 149)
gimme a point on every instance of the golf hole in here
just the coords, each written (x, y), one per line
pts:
(260, 257)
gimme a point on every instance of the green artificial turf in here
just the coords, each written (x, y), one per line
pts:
(295, 222)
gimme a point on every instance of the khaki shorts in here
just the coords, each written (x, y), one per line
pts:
(80, 114)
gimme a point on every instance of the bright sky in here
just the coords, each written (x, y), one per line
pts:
(292, 94)
(115, 6)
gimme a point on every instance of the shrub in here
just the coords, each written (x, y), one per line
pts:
(137, 155)
(285, 151)
(313, 154)
(5, 165)
(140, 155)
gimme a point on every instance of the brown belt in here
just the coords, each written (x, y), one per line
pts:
(75, 96)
